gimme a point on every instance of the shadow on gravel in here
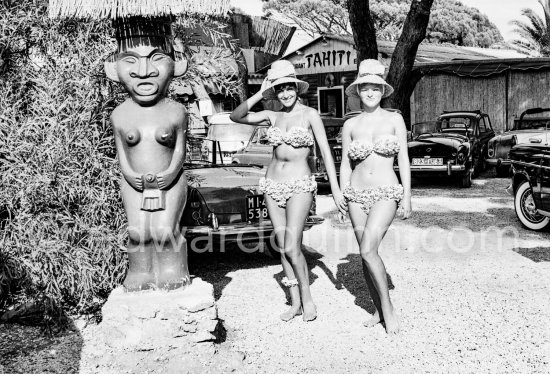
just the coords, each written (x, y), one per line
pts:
(498, 218)
(313, 260)
(350, 276)
(213, 267)
(30, 349)
(536, 254)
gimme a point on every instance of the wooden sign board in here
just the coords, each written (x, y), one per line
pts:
(325, 57)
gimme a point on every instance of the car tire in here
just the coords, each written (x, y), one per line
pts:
(476, 168)
(526, 211)
(503, 171)
(271, 249)
(466, 179)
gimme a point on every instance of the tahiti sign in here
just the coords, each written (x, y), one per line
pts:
(327, 57)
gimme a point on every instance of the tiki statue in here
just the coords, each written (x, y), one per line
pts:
(149, 131)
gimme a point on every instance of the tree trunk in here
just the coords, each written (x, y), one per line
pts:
(362, 25)
(400, 75)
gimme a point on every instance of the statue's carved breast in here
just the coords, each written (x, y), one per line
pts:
(132, 137)
(166, 136)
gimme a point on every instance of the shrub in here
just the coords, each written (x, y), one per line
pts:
(62, 219)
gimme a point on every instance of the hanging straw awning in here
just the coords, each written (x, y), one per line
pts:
(111, 9)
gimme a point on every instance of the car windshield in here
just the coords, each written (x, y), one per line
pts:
(230, 132)
(455, 124)
(533, 123)
(426, 128)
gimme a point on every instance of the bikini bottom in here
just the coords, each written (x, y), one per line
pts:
(371, 195)
(282, 191)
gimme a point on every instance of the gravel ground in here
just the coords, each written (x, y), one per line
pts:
(468, 302)
(470, 284)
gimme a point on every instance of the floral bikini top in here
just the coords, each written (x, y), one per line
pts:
(386, 145)
(296, 137)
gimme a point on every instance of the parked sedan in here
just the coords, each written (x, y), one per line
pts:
(224, 203)
(531, 182)
(452, 145)
(530, 125)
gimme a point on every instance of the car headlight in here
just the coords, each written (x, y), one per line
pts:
(461, 157)
(491, 149)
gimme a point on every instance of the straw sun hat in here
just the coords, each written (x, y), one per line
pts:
(282, 71)
(370, 71)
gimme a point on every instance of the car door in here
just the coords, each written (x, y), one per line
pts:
(256, 152)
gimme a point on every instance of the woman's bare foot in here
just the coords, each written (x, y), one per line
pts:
(391, 322)
(292, 312)
(374, 320)
(310, 312)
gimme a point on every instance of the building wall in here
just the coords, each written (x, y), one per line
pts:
(528, 89)
(437, 93)
(503, 96)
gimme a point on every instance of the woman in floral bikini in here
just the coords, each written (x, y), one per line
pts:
(371, 140)
(288, 185)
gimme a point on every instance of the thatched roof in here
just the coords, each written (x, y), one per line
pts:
(105, 9)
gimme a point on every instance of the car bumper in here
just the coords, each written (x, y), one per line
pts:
(242, 231)
(498, 162)
(449, 168)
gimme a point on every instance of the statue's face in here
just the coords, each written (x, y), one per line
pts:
(145, 72)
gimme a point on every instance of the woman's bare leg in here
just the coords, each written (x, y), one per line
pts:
(379, 219)
(359, 221)
(297, 210)
(278, 219)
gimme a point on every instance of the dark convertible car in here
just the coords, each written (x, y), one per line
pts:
(455, 144)
(531, 182)
(223, 201)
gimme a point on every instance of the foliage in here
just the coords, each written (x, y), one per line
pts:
(534, 33)
(450, 21)
(313, 16)
(63, 223)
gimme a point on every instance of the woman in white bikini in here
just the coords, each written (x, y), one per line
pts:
(371, 140)
(288, 185)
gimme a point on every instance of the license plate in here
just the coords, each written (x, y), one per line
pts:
(255, 208)
(227, 154)
(337, 154)
(427, 161)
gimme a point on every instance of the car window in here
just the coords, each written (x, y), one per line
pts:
(455, 123)
(534, 123)
(482, 125)
(233, 131)
(259, 134)
(426, 128)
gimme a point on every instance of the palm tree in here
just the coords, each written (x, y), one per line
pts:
(534, 34)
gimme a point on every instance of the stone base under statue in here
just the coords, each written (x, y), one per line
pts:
(154, 331)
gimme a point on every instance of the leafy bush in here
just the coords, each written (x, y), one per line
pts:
(62, 222)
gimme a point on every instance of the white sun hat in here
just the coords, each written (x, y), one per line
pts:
(370, 71)
(282, 71)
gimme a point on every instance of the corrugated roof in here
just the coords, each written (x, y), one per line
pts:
(483, 68)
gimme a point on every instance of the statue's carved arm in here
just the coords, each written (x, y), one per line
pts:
(133, 178)
(167, 177)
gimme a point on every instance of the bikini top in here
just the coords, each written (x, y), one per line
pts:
(296, 137)
(386, 145)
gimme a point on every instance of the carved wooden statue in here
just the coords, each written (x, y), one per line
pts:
(150, 131)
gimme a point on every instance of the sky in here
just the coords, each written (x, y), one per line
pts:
(500, 12)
